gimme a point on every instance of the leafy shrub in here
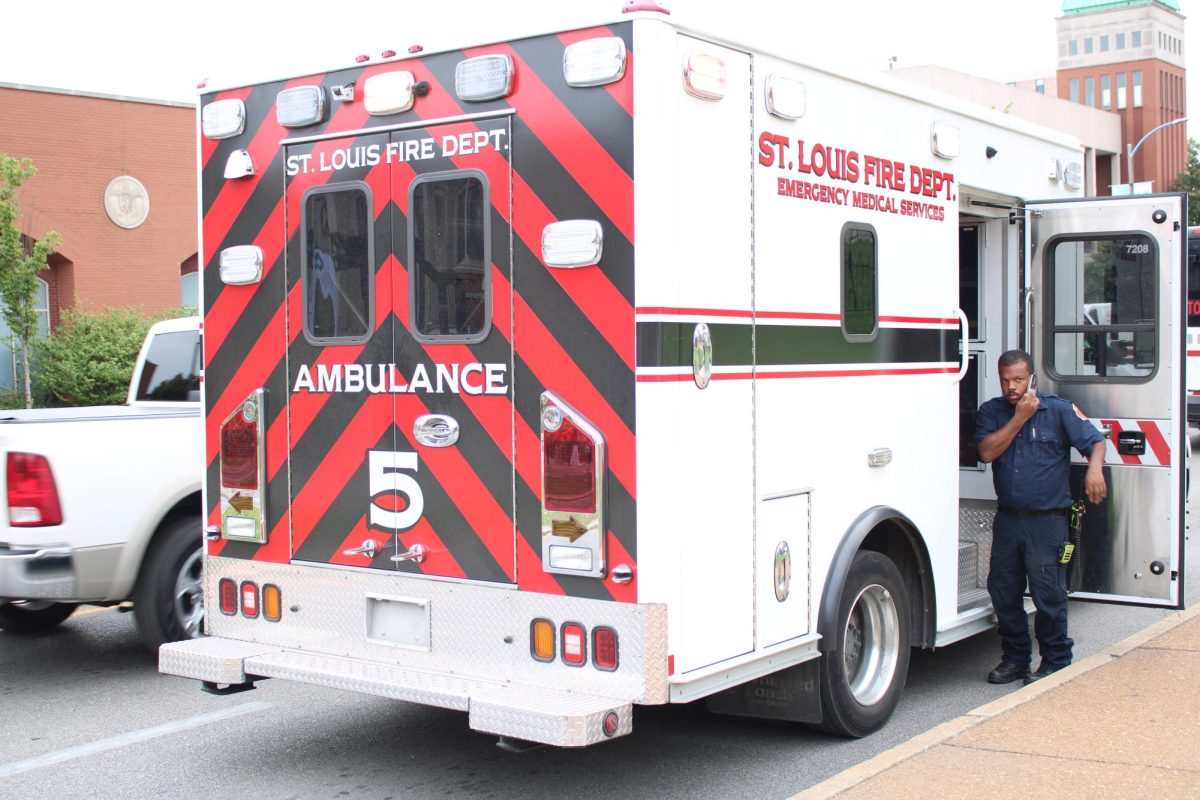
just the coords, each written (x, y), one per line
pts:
(89, 359)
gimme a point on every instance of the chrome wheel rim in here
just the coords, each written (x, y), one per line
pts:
(189, 594)
(871, 646)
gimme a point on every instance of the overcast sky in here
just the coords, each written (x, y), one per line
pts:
(161, 49)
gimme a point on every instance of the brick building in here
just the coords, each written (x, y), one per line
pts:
(124, 242)
(1126, 56)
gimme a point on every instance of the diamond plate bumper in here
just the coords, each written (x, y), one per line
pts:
(537, 714)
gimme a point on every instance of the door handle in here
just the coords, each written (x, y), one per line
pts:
(368, 548)
(435, 430)
(1107, 430)
(416, 553)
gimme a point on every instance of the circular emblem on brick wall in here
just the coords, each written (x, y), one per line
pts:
(126, 201)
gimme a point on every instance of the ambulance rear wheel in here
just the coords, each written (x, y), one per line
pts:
(862, 680)
(168, 601)
(32, 616)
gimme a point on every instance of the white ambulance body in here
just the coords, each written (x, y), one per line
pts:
(786, 491)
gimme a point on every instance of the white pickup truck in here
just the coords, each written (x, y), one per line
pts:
(102, 504)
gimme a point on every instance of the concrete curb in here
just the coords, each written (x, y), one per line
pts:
(855, 775)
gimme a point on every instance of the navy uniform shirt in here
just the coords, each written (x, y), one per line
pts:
(1032, 473)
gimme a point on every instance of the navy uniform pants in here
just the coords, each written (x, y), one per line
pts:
(1027, 550)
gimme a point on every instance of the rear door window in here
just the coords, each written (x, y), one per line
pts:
(338, 265)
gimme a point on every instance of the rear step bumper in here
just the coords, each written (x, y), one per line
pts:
(537, 714)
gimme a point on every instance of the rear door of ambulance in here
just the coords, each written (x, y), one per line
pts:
(1106, 318)
(399, 366)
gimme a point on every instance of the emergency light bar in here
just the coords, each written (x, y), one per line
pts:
(241, 265)
(945, 140)
(572, 243)
(704, 76)
(389, 93)
(484, 78)
(594, 62)
(786, 98)
(223, 119)
(300, 106)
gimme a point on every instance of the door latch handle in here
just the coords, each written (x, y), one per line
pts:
(368, 548)
(416, 553)
(1107, 430)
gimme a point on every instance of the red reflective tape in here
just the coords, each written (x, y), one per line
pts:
(570, 142)
(922, 320)
(1193, 353)
(276, 550)
(1156, 441)
(847, 373)
(694, 312)
(622, 90)
(798, 315)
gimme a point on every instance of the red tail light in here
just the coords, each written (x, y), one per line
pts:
(32, 495)
(604, 649)
(239, 453)
(228, 591)
(569, 465)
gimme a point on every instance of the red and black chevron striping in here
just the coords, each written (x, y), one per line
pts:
(569, 331)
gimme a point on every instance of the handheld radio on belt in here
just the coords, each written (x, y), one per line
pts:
(1074, 531)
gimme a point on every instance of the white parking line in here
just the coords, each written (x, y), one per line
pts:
(133, 737)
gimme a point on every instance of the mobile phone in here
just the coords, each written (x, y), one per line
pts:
(1033, 382)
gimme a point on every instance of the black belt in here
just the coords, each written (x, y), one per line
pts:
(1028, 513)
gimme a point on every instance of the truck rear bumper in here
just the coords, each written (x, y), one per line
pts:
(45, 573)
(533, 713)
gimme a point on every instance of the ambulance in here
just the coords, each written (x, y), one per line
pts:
(630, 365)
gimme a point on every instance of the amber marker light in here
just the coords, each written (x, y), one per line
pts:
(272, 603)
(541, 639)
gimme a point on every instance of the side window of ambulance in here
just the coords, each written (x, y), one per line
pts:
(337, 269)
(449, 261)
(860, 285)
(1102, 314)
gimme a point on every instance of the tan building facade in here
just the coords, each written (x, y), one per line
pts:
(117, 180)
(1126, 56)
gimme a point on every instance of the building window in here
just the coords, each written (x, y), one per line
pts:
(1137, 38)
(1137, 88)
(1106, 92)
(1073, 85)
(1039, 86)
(10, 375)
(1103, 318)
(337, 270)
(189, 290)
(1120, 41)
(860, 295)
(1089, 92)
(1087, 45)
(1121, 90)
(1073, 47)
(1103, 44)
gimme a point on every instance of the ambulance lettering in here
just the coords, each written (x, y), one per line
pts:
(388, 479)
(471, 379)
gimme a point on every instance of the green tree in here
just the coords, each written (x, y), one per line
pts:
(90, 358)
(1189, 182)
(21, 259)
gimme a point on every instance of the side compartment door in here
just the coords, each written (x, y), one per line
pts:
(1107, 333)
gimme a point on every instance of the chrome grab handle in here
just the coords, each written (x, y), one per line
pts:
(435, 430)
(966, 350)
(415, 553)
(368, 548)
(1107, 430)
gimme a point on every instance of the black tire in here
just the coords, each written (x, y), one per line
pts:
(168, 600)
(862, 680)
(32, 616)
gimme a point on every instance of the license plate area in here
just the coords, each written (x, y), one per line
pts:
(398, 621)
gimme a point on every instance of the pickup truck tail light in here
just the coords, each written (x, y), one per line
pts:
(32, 495)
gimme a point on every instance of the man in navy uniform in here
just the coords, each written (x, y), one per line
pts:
(1027, 438)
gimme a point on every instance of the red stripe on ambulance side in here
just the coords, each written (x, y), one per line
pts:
(1112, 443)
(1156, 441)
(848, 373)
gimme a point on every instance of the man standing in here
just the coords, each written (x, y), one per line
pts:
(1028, 438)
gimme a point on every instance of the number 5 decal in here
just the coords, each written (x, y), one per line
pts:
(389, 479)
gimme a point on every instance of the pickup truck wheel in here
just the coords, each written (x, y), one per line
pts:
(31, 616)
(861, 681)
(168, 601)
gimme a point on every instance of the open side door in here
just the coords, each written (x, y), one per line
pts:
(1106, 290)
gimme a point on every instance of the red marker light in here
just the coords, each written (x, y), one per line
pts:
(361, 59)
(416, 48)
(388, 54)
(227, 589)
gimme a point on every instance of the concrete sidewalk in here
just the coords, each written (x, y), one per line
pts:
(1124, 723)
